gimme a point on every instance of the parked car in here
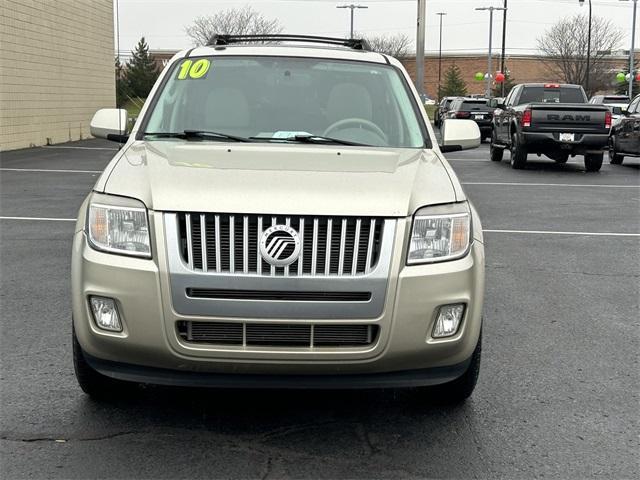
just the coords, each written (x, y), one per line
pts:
(280, 216)
(625, 134)
(617, 104)
(476, 109)
(441, 111)
(553, 120)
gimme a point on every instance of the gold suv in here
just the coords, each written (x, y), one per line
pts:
(279, 216)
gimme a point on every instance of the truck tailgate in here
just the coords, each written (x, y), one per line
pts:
(566, 117)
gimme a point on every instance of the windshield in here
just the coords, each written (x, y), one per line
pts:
(275, 98)
(551, 95)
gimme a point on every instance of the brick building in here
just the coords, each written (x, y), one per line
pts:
(523, 68)
(56, 59)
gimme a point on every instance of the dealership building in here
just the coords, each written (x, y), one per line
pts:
(57, 69)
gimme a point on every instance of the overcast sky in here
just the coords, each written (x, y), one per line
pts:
(162, 22)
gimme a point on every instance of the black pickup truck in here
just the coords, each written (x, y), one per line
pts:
(550, 119)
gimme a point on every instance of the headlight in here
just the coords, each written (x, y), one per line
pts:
(118, 225)
(440, 233)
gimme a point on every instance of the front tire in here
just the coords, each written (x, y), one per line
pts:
(458, 390)
(614, 158)
(93, 383)
(518, 153)
(495, 152)
(593, 161)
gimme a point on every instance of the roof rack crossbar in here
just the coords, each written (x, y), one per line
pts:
(354, 43)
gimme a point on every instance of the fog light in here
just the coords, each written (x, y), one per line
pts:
(449, 318)
(105, 313)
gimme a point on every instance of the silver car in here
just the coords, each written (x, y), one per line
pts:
(279, 216)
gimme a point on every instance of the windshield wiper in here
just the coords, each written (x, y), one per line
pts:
(191, 134)
(312, 139)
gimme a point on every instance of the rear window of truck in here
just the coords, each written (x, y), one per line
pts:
(551, 95)
(471, 105)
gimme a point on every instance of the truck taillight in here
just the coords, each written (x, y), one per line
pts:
(463, 115)
(607, 119)
(551, 85)
(526, 118)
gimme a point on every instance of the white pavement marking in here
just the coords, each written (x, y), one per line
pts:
(40, 219)
(550, 184)
(48, 170)
(550, 232)
(81, 148)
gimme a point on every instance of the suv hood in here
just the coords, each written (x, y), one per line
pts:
(278, 178)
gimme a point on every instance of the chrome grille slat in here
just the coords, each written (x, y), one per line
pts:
(230, 244)
(189, 240)
(343, 239)
(232, 259)
(203, 244)
(217, 234)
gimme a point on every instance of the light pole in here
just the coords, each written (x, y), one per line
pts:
(504, 42)
(588, 45)
(489, 62)
(352, 7)
(632, 51)
(422, 12)
(440, 14)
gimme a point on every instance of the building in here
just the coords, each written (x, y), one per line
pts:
(522, 68)
(57, 64)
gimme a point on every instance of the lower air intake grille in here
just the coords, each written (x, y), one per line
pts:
(277, 334)
(286, 295)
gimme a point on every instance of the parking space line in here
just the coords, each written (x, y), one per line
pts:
(550, 184)
(551, 232)
(47, 170)
(80, 148)
(40, 219)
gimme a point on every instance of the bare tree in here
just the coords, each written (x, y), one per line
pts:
(564, 49)
(234, 21)
(395, 45)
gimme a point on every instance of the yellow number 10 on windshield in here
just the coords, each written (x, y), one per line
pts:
(197, 69)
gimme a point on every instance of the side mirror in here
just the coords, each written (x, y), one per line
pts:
(497, 103)
(617, 111)
(459, 135)
(110, 123)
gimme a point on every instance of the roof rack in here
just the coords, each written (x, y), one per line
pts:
(354, 43)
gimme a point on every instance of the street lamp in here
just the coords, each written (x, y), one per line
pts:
(440, 14)
(352, 7)
(632, 51)
(588, 44)
(489, 66)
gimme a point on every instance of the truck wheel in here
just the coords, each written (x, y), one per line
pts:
(93, 383)
(458, 390)
(614, 158)
(518, 153)
(593, 161)
(495, 152)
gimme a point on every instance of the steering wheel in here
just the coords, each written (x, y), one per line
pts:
(361, 122)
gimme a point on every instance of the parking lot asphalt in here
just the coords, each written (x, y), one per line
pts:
(559, 388)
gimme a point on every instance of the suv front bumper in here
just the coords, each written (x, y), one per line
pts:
(149, 349)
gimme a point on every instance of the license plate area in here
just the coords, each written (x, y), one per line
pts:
(479, 117)
(567, 137)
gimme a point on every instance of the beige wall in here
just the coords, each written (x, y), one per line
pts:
(56, 69)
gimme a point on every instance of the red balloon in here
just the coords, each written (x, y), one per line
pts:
(638, 77)
(500, 77)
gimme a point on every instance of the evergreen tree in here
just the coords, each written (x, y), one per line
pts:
(454, 85)
(622, 88)
(509, 83)
(122, 88)
(141, 71)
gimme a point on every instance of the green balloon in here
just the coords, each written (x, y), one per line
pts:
(620, 77)
(479, 76)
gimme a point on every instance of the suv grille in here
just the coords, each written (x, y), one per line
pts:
(277, 334)
(227, 243)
